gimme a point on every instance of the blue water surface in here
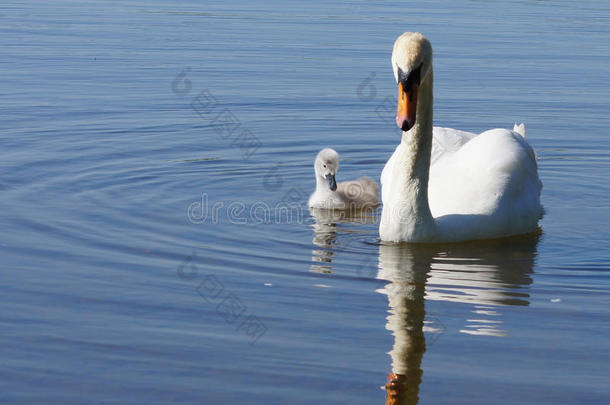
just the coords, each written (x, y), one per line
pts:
(145, 147)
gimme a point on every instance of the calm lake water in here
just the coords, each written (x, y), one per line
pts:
(146, 144)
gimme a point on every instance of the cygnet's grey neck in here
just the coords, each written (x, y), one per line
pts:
(322, 185)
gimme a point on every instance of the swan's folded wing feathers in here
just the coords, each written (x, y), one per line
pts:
(448, 140)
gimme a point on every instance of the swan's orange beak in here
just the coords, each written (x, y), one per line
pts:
(407, 107)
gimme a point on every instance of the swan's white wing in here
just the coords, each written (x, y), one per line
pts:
(493, 175)
(480, 186)
(448, 140)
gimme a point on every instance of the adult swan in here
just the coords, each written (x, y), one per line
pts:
(445, 185)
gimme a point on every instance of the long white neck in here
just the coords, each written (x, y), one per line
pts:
(406, 213)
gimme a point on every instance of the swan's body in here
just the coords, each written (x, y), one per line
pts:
(359, 193)
(445, 185)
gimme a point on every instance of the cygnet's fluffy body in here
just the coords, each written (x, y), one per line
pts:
(359, 193)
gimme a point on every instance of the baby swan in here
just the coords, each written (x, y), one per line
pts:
(359, 193)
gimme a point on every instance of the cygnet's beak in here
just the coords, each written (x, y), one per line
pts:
(332, 183)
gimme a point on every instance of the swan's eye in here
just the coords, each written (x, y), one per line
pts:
(325, 166)
(410, 78)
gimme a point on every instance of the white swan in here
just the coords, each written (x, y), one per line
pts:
(478, 186)
(359, 193)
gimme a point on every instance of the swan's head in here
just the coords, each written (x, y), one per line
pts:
(326, 166)
(412, 64)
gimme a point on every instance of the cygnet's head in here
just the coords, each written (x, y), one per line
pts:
(326, 166)
(412, 64)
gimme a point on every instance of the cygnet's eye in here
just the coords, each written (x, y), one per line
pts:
(325, 166)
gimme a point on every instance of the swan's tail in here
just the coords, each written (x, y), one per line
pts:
(520, 129)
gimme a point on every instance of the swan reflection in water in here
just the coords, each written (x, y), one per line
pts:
(325, 227)
(485, 274)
